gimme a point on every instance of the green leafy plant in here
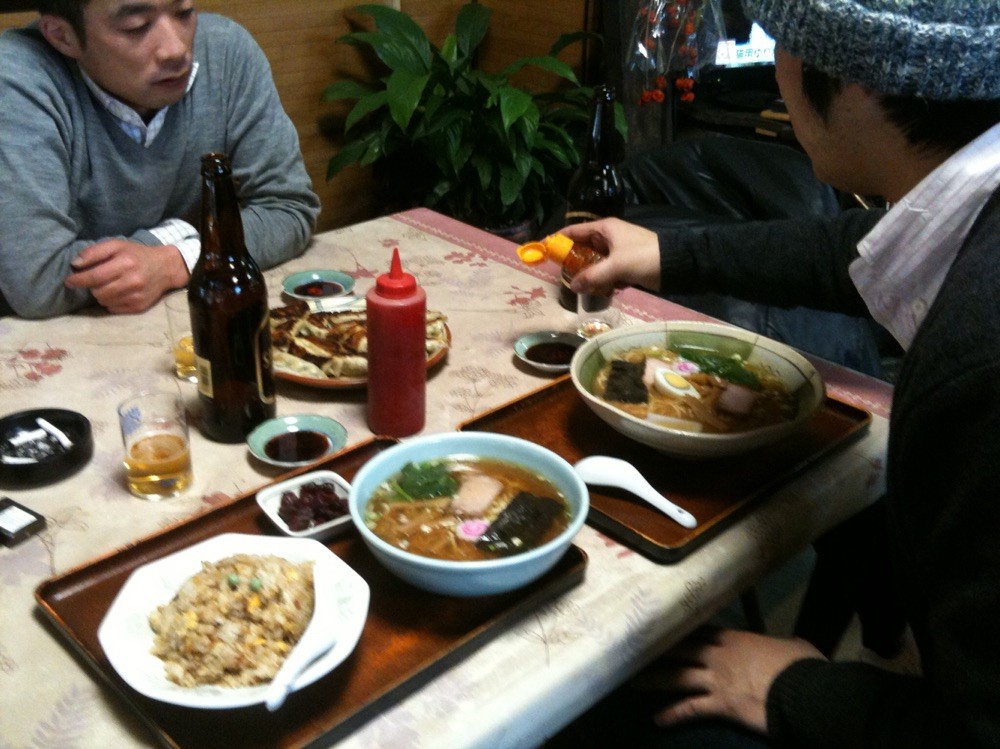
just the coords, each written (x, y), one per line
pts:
(456, 138)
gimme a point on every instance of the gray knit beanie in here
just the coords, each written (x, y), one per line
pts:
(937, 49)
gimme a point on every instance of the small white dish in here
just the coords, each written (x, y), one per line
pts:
(269, 499)
(286, 427)
(126, 637)
(548, 350)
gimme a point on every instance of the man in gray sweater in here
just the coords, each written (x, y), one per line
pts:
(106, 107)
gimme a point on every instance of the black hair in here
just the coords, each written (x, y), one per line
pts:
(71, 10)
(926, 123)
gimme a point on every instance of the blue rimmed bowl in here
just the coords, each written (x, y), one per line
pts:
(475, 578)
(319, 286)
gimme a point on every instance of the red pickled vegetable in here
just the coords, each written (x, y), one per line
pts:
(314, 504)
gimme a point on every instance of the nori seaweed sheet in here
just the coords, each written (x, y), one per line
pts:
(625, 382)
(520, 524)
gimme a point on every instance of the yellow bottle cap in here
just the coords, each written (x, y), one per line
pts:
(531, 253)
(554, 247)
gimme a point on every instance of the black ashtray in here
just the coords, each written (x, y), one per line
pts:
(42, 446)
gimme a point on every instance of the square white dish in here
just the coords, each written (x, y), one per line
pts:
(269, 499)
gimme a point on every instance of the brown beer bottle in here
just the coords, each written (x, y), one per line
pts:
(595, 189)
(229, 315)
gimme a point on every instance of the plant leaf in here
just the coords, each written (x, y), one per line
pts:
(551, 64)
(511, 183)
(522, 162)
(449, 51)
(514, 104)
(621, 124)
(484, 168)
(350, 153)
(559, 154)
(444, 120)
(565, 40)
(368, 104)
(395, 52)
(470, 26)
(403, 91)
(396, 24)
(346, 90)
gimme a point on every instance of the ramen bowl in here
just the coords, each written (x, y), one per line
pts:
(794, 371)
(480, 577)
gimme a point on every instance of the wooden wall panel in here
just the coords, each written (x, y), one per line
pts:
(299, 39)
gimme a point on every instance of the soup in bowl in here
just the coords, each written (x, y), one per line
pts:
(697, 389)
(468, 513)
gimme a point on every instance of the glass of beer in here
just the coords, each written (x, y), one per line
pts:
(181, 341)
(157, 448)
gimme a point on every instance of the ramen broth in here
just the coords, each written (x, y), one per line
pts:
(666, 388)
(444, 527)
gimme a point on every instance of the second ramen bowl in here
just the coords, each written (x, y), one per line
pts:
(472, 578)
(794, 371)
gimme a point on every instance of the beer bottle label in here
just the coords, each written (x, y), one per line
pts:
(578, 217)
(204, 368)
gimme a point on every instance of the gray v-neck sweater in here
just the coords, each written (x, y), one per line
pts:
(71, 176)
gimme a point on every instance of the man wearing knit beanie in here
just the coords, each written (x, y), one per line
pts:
(897, 98)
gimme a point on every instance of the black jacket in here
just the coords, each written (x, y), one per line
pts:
(943, 479)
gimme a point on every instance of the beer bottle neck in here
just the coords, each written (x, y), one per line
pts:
(600, 148)
(221, 225)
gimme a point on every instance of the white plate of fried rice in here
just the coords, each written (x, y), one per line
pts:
(151, 592)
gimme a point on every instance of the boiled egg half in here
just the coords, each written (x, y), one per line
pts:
(671, 383)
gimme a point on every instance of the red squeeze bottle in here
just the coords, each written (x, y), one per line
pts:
(397, 358)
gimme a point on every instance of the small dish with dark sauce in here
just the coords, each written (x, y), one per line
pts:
(548, 350)
(296, 440)
(321, 288)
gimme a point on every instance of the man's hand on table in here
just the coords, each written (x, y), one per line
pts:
(633, 256)
(128, 277)
(723, 673)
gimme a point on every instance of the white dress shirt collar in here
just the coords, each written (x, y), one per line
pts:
(127, 118)
(905, 258)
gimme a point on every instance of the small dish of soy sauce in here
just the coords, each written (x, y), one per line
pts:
(296, 440)
(321, 288)
(548, 350)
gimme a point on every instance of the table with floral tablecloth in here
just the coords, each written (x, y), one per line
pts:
(513, 691)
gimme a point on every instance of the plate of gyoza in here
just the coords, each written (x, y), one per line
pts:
(330, 349)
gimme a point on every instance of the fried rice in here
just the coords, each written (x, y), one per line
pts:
(233, 623)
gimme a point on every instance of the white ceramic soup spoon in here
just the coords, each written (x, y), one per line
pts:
(319, 636)
(603, 470)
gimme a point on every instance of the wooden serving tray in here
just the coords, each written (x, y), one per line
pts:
(715, 490)
(410, 635)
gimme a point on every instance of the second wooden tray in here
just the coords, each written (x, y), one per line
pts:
(715, 490)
